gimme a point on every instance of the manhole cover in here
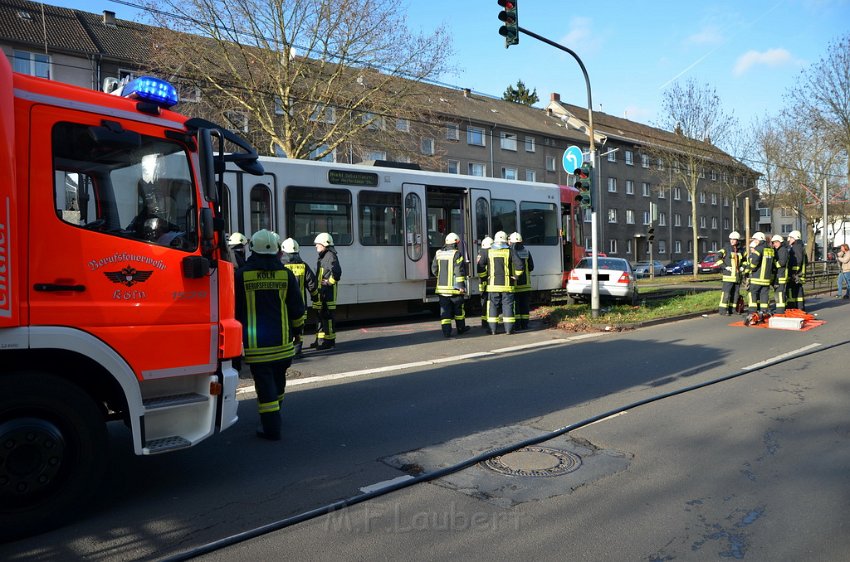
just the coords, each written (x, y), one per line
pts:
(535, 461)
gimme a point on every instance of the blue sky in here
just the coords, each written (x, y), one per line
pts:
(751, 51)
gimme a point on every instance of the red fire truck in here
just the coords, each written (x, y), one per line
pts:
(116, 286)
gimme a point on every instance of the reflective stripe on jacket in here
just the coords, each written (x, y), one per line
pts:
(760, 261)
(734, 258)
(449, 268)
(502, 268)
(523, 282)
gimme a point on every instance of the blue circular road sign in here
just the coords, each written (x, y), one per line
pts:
(573, 158)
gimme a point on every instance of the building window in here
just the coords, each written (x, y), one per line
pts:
(677, 246)
(238, 120)
(375, 155)
(713, 223)
(690, 247)
(646, 218)
(587, 215)
(34, 64)
(628, 247)
(509, 173)
(725, 224)
(329, 157)
(323, 114)
(644, 160)
(612, 185)
(725, 201)
(786, 228)
(530, 175)
(714, 199)
(612, 156)
(677, 219)
(550, 163)
(612, 246)
(612, 215)
(530, 144)
(452, 132)
(644, 189)
(402, 125)
(373, 122)
(507, 141)
(662, 194)
(702, 222)
(630, 187)
(630, 158)
(713, 175)
(630, 216)
(427, 146)
(690, 197)
(475, 136)
(690, 221)
(662, 247)
(660, 164)
(702, 197)
(477, 169)
(662, 219)
(192, 94)
(677, 194)
(453, 166)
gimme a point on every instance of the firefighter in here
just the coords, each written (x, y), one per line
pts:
(291, 259)
(237, 243)
(798, 262)
(503, 268)
(328, 274)
(760, 267)
(269, 306)
(780, 279)
(450, 269)
(732, 255)
(522, 292)
(481, 269)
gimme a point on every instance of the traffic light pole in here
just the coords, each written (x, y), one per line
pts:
(594, 284)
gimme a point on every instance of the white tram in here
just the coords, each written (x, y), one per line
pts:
(387, 223)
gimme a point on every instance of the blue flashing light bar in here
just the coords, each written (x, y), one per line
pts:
(154, 90)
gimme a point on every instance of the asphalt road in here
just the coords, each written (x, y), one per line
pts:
(755, 467)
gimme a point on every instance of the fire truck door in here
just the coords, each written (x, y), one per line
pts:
(112, 215)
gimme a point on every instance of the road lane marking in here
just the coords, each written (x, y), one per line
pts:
(778, 358)
(249, 389)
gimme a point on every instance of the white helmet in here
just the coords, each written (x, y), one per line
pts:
(486, 243)
(516, 237)
(758, 236)
(452, 238)
(324, 239)
(734, 235)
(265, 242)
(500, 237)
(795, 234)
(237, 239)
(776, 238)
(290, 246)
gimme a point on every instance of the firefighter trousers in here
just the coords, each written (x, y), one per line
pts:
(270, 384)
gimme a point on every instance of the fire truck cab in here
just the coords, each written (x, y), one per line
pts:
(116, 287)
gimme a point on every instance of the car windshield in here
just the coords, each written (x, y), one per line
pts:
(603, 263)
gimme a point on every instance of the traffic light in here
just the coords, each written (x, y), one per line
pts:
(584, 185)
(650, 233)
(510, 30)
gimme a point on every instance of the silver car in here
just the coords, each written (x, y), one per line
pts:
(616, 280)
(641, 268)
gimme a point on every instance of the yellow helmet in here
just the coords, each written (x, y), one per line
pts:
(290, 246)
(324, 239)
(516, 237)
(265, 242)
(452, 238)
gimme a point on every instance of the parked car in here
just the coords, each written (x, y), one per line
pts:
(641, 268)
(616, 280)
(709, 263)
(680, 267)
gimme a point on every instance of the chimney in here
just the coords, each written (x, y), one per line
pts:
(466, 92)
(109, 18)
(555, 96)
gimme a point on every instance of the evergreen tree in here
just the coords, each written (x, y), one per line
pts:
(521, 94)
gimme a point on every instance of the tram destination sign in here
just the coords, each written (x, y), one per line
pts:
(348, 177)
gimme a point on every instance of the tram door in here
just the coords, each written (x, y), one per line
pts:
(416, 262)
(479, 221)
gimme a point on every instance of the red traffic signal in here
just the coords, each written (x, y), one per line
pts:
(510, 31)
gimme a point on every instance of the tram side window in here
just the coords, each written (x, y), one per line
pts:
(539, 223)
(380, 218)
(261, 208)
(504, 215)
(482, 216)
(310, 211)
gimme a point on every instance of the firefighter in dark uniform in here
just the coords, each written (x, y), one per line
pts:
(291, 259)
(237, 243)
(733, 256)
(481, 270)
(328, 274)
(522, 292)
(269, 306)
(781, 257)
(503, 268)
(760, 267)
(798, 263)
(449, 268)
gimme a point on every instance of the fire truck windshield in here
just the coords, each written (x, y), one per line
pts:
(137, 187)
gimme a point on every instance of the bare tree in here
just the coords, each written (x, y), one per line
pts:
(822, 96)
(695, 113)
(303, 78)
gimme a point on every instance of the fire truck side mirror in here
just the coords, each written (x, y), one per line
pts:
(207, 162)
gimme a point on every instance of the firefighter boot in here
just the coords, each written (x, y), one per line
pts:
(447, 330)
(325, 344)
(462, 328)
(492, 328)
(298, 353)
(270, 426)
(509, 328)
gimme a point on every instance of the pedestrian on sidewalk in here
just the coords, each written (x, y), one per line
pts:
(843, 258)
(328, 273)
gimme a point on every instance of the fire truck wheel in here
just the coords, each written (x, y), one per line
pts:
(52, 452)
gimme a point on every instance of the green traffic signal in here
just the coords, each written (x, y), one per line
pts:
(510, 31)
